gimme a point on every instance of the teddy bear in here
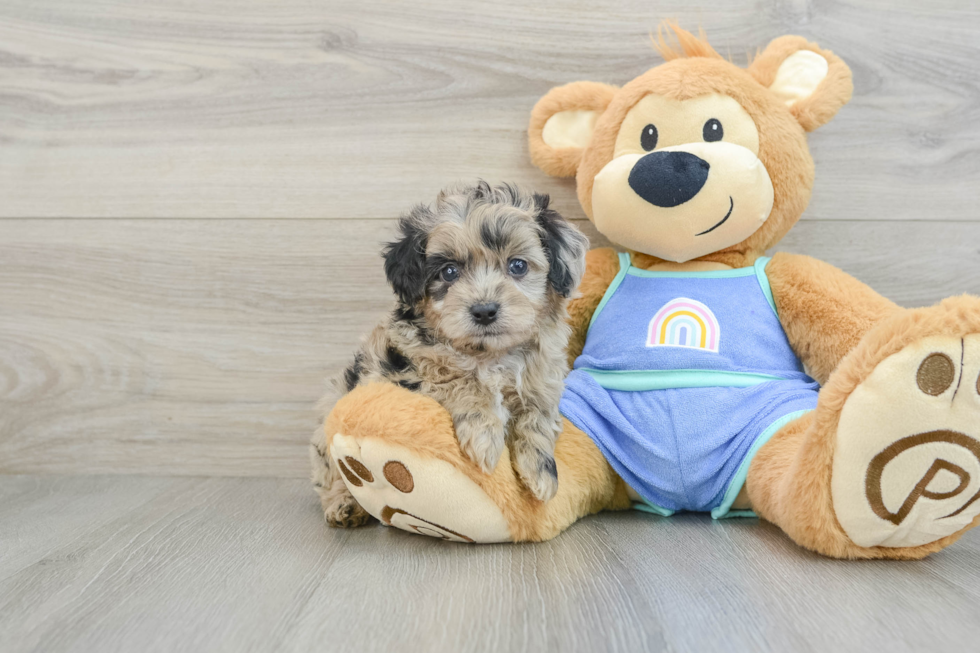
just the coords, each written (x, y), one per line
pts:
(707, 376)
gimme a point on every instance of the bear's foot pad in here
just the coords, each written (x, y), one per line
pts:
(906, 468)
(420, 495)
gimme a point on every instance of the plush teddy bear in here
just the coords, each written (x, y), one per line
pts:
(708, 377)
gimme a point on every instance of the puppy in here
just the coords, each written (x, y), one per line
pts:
(482, 281)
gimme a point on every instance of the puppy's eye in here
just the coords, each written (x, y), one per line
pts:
(712, 131)
(648, 137)
(517, 267)
(449, 273)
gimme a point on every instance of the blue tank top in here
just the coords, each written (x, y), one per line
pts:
(659, 330)
(684, 375)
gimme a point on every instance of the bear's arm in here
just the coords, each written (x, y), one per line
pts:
(824, 311)
(601, 267)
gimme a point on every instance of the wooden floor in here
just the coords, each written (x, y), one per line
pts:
(192, 198)
(124, 563)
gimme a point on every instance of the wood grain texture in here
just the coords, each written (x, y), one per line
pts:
(130, 564)
(162, 315)
(339, 109)
(200, 347)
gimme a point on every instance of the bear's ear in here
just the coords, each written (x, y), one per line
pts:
(813, 83)
(562, 123)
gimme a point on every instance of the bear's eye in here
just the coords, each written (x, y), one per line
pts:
(712, 131)
(449, 273)
(648, 138)
(517, 267)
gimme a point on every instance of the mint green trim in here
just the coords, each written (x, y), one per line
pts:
(738, 481)
(760, 273)
(624, 266)
(645, 506)
(643, 380)
(737, 513)
(709, 274)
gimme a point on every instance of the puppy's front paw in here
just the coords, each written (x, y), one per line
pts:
(343, 511)
(481, 437)
(538, 472)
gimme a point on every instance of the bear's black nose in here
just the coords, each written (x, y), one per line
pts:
(668, 178)
(484, 314)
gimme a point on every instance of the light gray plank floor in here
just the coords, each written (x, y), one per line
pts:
(162, 312)
(231, 564)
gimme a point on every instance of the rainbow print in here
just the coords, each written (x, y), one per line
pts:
(684, 322)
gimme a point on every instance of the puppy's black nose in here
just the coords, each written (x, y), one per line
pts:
(484, 314)
(668, 178)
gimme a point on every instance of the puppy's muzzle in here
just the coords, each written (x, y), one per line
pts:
(485, 314)
(668, 179)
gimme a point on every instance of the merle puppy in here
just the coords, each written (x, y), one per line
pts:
(482, 279)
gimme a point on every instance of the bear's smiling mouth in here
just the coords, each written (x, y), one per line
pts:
(727, 215)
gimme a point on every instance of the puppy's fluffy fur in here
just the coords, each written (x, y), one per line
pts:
(482, 279)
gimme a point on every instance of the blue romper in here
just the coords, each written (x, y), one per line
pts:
(684, 376)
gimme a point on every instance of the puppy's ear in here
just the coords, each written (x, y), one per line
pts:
(405, 257)
(565, 246)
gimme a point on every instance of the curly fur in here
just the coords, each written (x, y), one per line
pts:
(501, 382)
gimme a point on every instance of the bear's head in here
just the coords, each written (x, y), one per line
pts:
(696, 158)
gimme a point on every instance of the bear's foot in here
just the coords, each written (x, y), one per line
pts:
(906, 465)
(417, 494)
(398, 456)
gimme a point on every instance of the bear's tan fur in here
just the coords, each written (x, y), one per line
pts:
(840, 328)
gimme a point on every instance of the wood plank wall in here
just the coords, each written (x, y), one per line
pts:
(193, 195)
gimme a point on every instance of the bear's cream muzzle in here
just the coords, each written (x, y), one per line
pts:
(703, 198)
